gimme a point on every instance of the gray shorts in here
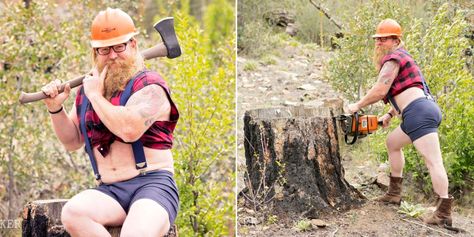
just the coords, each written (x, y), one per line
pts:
(422, 116)
(158, 186)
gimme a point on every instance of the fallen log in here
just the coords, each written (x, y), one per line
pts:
(293, 162)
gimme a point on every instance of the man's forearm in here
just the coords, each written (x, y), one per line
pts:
(66, 131)
(118, 119)
(373, 95)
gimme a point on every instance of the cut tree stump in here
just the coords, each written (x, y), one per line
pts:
(42, 218)
(293, 162)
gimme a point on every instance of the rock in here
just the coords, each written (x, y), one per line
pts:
(289, 103)
(250, 85)
(382, 180)
(307, 87)
(318, 223)
(250, 221)
(383, 168)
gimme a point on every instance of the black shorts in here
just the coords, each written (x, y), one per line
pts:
(422, 116)
(158, 186)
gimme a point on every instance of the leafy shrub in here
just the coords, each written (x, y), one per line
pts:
(303, 225)
(205, 135)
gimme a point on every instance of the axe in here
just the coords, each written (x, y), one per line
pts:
(168, 35)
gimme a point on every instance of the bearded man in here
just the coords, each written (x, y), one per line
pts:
(401, 83)
(127, 137)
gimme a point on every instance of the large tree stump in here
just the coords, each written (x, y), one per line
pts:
(42, 218)
(293, 162)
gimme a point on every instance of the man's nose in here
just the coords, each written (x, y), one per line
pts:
(112, 54)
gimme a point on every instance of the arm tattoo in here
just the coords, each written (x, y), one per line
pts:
(149, 103)
(388, 72)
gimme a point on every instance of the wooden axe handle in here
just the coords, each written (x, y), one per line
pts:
(158, 50)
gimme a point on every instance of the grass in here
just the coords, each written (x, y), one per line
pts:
(268, 60)
(273, 219)
(303, 225)
(250, 66)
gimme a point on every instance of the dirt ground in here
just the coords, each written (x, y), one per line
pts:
(294, 77)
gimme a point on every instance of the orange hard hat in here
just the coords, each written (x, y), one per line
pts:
(111, 27)
(388, 27)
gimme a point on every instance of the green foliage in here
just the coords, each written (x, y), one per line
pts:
(250, 66)
(34, 52)
(437, 44)
(205, 133)
(303, 225)
(413, 210)
(219, 22)
(273, 219)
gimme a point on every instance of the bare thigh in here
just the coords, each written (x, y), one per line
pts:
(146, 218)
(397, 139)
(98, 206)
(428, 146)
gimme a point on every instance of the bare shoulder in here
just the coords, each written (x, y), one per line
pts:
(389, 72)
(390, 66)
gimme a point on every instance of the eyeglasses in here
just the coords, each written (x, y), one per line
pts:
(383, 39)
(118, 48)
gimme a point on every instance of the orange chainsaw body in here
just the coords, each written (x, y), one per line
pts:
(357, 125)
(367, 124)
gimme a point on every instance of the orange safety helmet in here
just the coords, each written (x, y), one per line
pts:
(111, 27)
(388, 27)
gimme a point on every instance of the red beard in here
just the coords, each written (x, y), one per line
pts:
(379, 53)
(119, 72)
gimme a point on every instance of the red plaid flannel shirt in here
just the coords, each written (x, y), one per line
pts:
(158, 136)
(409, 74)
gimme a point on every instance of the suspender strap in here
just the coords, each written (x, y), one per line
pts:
(84, 105)
(394, 103)
(137, 146)
(425, 89)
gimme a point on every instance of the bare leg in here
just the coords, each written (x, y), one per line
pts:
(146, 218)
(396, 140)
(428, 146)
(86, 214)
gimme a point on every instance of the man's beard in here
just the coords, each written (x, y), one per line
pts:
(119, 72)
(379, 53)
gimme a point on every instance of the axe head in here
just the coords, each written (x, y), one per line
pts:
(166, 29)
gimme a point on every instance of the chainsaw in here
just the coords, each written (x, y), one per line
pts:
(357, 126)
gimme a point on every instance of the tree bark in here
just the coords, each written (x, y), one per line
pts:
(293, 162)
(42, 218)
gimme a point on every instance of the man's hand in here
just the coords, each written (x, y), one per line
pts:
(55, 99)
(353, 108)
(94, 85)
(386, 118)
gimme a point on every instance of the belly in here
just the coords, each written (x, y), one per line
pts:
(407, 96)
(119, 164)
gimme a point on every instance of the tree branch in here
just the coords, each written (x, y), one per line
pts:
(325, 11)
